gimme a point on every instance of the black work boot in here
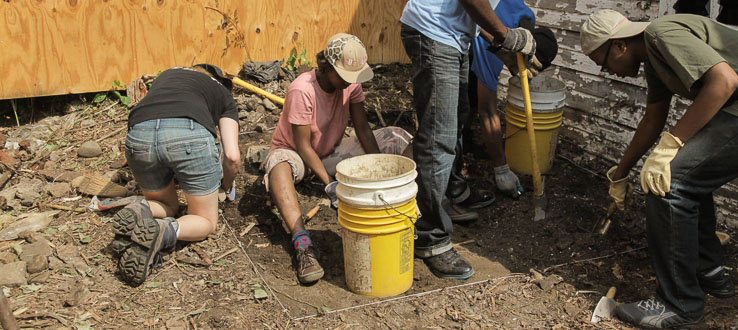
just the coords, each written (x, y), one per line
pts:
(696, 7)
(718, 283)
(468, 197)
(655, 313)
(459, 214)
(449, 264)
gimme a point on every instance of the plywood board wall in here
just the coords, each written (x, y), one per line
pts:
(60, 47)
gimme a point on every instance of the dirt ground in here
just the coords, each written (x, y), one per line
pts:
(547, 274)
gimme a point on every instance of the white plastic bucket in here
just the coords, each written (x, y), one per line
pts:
(368, 181)
(547, 94)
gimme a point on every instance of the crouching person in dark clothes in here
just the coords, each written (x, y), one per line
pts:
(696, 58)
(172, 134)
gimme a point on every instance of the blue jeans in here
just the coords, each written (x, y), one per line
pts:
(440, 81)
(161, 149)
(681, 225)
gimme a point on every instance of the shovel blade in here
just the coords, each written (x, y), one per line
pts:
(605, 309)
(539, 207)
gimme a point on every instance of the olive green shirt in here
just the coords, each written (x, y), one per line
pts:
(681, 48)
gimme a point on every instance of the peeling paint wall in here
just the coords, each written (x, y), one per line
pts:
(602, 110)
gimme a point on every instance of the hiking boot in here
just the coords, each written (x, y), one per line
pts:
(459, 214)
(308, 268)
(119, 244)
(655, 313)
(152, 237)
(124, 221)
(449, 264)
(718, 285)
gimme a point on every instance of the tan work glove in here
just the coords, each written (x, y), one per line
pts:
(511, 62)
(656, 172)
(619, 189)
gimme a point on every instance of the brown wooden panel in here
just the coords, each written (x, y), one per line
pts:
(72, 46)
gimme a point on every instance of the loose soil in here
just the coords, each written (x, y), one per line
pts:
(547, 274)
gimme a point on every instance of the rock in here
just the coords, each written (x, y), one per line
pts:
(7, 159)
(87, 123)
(257, 154)
(269, 105)
(261, 128)
(49, 164)
(13, 273)
(549, 282)
(89, 149)
(571, 309)
(5, 220)
(41, 247)
(58, 189)
(118, 163)
(252, 102)
(78, 296)
(243, 114)
(28, 223)
(39, 278)
(37, 264)
(60, 175)
(70, 255)
(55, 263)
(7, 257)
(112, 175)
(27, 194)
(260, 109)
(57, 155)
(76, 182)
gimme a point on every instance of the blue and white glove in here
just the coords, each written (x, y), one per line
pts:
(507, 181)
(330, 190)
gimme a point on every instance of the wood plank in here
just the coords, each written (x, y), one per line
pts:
(60, 47)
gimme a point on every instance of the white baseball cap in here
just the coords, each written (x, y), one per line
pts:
(605, 25)
(348, 56)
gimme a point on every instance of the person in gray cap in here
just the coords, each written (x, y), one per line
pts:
(696, 58)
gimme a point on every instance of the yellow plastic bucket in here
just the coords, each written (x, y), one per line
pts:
(378, 235)
(547, 96)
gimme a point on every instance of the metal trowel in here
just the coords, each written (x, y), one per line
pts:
(605, 309)
(604, 224)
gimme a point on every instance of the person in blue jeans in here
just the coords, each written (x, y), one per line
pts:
(696, 58)
(437, 35)
(172, 134)
(487, 67)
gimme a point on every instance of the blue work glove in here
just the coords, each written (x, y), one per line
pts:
(230, 195)
(507, 181)
(330, 190)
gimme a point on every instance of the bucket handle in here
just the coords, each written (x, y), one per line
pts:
(411, 219)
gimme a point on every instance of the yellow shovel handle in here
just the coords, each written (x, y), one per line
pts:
(258, 90)
(523, 73)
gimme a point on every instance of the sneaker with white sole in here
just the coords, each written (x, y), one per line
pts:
(655, 313)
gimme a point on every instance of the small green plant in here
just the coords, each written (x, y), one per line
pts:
(102, 96)
(15, 112)
(125, 100)
(296, 59)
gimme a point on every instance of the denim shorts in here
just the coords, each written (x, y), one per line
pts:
(161, 149)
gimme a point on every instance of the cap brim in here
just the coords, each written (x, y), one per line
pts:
(356, 77)
(630, 29)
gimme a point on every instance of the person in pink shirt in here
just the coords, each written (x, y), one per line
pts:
(309, 137)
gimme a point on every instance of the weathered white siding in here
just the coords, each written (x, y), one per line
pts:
(602, 110)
